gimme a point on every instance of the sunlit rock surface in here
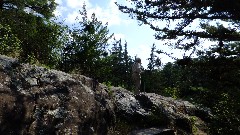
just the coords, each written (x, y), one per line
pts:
(36, 100)
(152, 110)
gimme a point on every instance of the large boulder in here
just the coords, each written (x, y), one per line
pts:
(152, 110)
(36, 100)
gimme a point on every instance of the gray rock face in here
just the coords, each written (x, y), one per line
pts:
(153, 131)
(35, 100)
(157, 111)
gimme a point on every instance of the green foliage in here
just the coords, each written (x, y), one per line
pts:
(86, 47)
(41, 8)
(173, 20)
(193, 120)
(154, 61)
(213, 81)
(152, 81)
(30, 24)
(171, 92)
(120, 63)
(108, 84)
(121, 127)
(115, 67)
(9, 43)
(150, 77)
(226, 119)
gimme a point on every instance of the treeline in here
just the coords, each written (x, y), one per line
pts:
(28, 31)
(212, 79)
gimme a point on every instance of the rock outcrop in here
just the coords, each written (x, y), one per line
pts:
(152, 110)
(36, 100)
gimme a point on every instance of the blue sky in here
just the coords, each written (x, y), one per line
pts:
(139, 38)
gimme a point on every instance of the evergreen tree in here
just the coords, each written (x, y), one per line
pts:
(87, 45)
(128, 61)
(150, 77)
(120, 65)
(15, 7)
(210, 78)
(174, 19)
(30, 23)
(154, 61)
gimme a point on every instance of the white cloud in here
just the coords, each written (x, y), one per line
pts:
(59, 2)
(59, 11)
(106, 15)
(142, 51)
(77, 4)
(119, 36)
(110, 14)
(69, 9)
(127, 3)
(71, 17)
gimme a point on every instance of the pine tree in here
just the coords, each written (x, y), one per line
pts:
(212, 78)
(88, 43)
(173, 20)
